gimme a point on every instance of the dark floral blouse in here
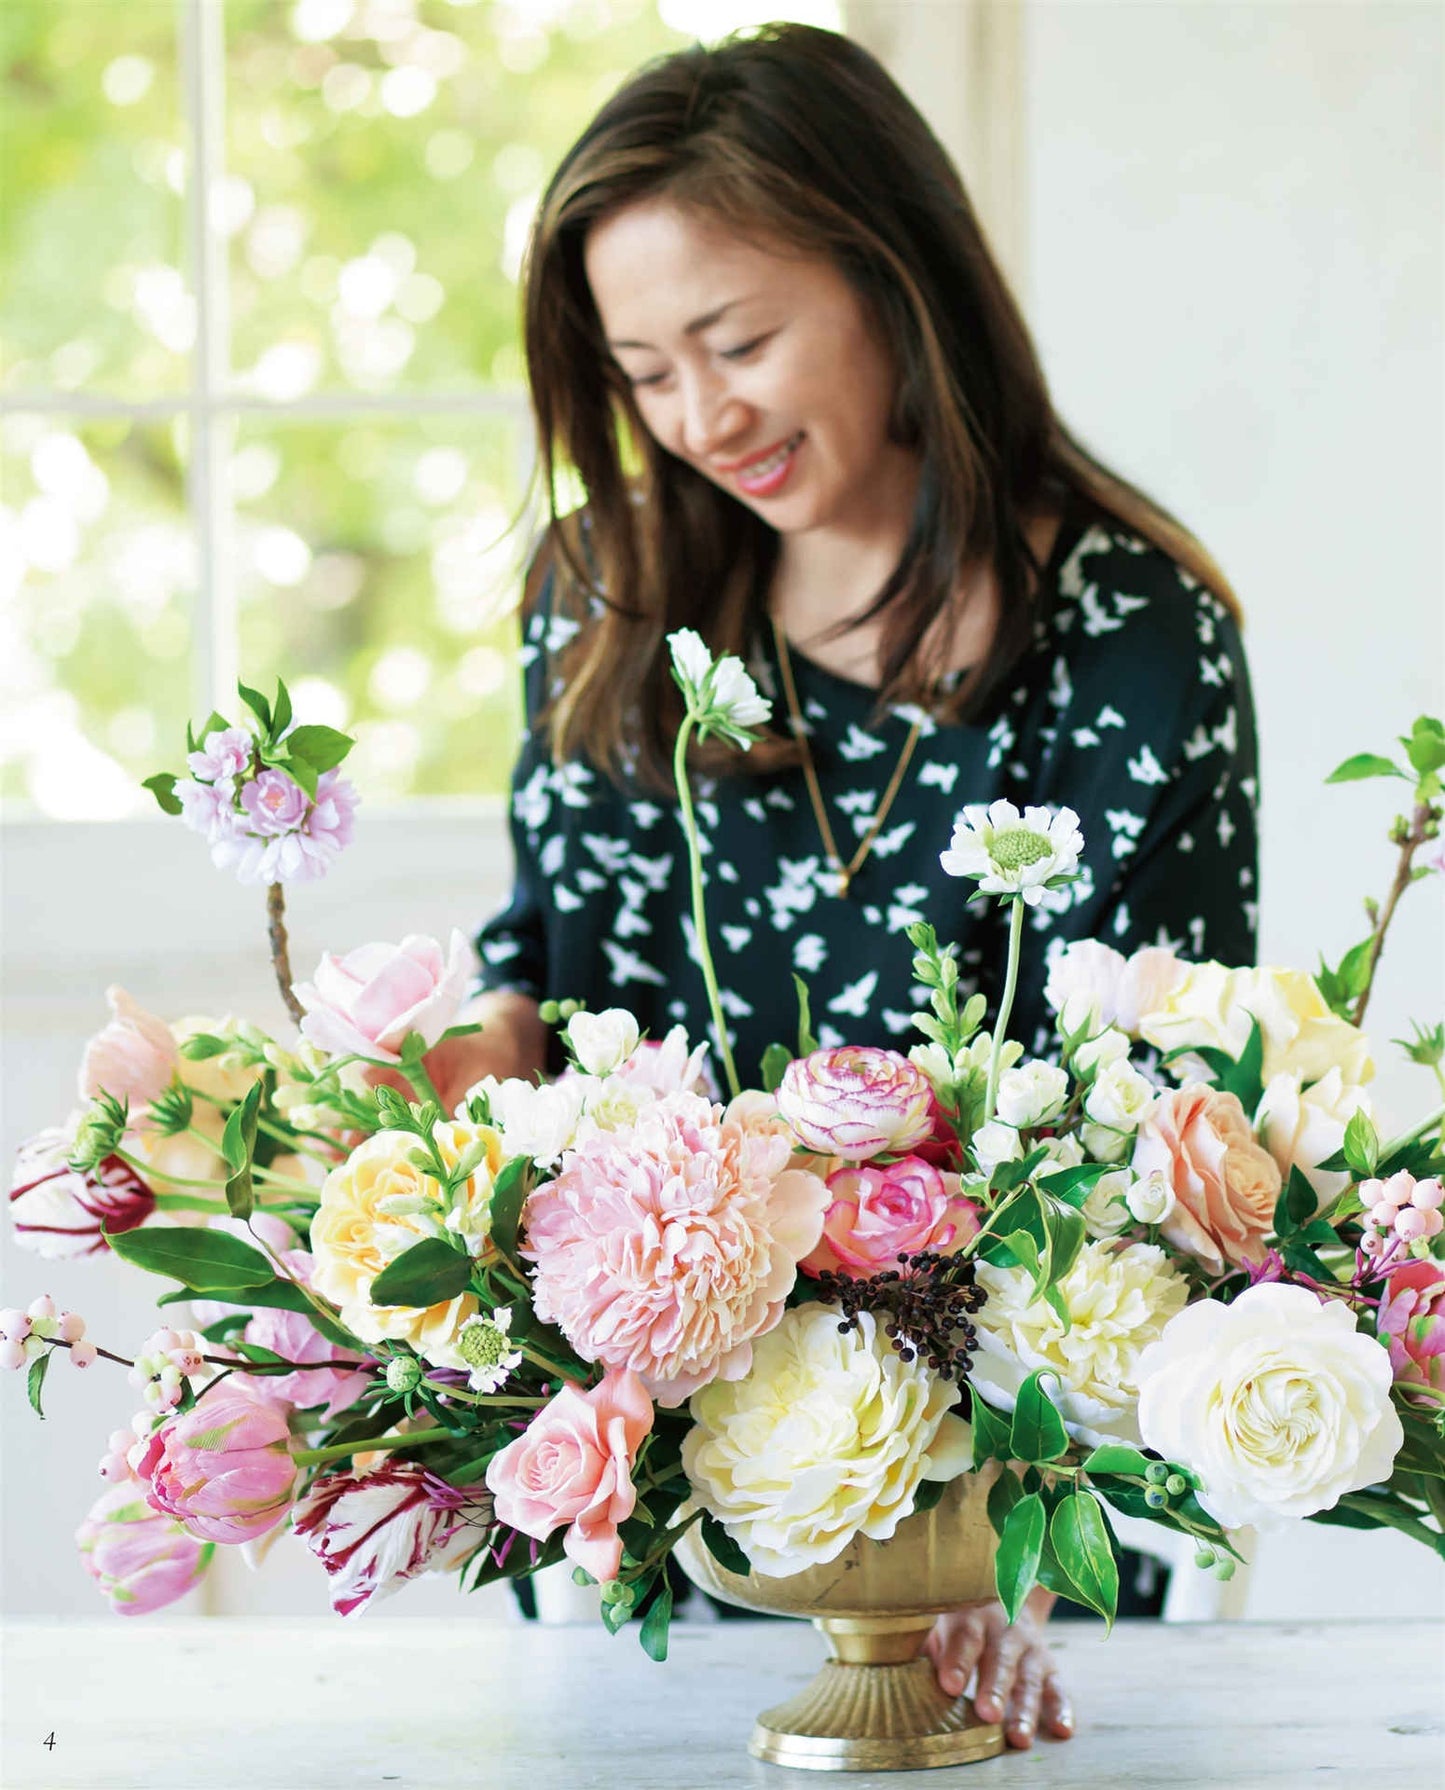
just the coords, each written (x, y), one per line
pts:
(1132, 707)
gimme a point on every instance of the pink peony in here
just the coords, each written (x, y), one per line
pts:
(1225, 1184)
(140, 1560)
(293, 1336)
(374, 1532)
(877, 1214)
(223, 1468)
(132, 1058)
(225, 754)
(1412, 1319)
(666, 1066)
(668, 1245)
(57, 1211)
(857, 1102)
(366, 1002)
(573, 1464)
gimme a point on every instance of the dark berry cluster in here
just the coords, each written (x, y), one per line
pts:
(924, 1306)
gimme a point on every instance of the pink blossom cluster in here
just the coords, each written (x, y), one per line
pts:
(258, 821)
(25, 1335)
(1400, 1211)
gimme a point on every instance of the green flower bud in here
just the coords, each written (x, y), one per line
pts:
(1224, 1567)
(1204, 1558)
(404, 1373)
(615, 1592)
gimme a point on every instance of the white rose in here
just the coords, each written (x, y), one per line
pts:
(1031, 1094)
(1277, 1402)
(1300, 1127)
(1109, 1046)
(826, 1437)
(1119, 1097)
(1118, 1301)
(1118, 989)
(995, 1143)
(1061, 1152)
(602, 1042)
(1103, 1143)
(1151, 1199)
(1215, 1006)
(1104, 1212)
(536, 1121)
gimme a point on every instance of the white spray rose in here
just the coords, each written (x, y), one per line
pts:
(1119, 1300)
(1300, 1126)
(1105, 1212)
(1031, 1094)
(539, 1121)
(1150, 1199)
(995, 1143)
(1119, 1096)
(1277, 1402)
(602, 1042)
(1098, 1052)
(1061, 1153)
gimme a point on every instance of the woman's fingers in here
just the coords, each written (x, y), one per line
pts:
(954, 1646)
(1022, 1718)
(996, 1672)
(1057, 1715)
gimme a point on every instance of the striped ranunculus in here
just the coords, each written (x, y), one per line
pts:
(857, 1102)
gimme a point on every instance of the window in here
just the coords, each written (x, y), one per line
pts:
(260, 393)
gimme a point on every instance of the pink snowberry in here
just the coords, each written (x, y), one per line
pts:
(71, 1327)
(43, 1307)
(14, 1326)
(1429, 1196)
(83, 1354)
(12, 1354)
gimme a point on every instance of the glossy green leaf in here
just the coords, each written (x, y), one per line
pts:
(429, 1273)
(991, 1433)
(163, 787)
(257, 704)
(1362, 1145)
(1003, 1494)
(775, 1065)
(509, 1195)
(656, 1622)
(1364, 764)
(322, 747)
(1080, 1541)
(1116, 1457)
(723, 1548)
(35, 1380)
(211, 1262)
(1016, 1566)
(1037, 1433)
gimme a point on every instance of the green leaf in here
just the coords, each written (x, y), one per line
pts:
(723, 1548)
(656, 1623)
(211, 1262)
(1362, 1145)
(991, 1433)
(282, 717)
(322, 747)
(1364, 764)
(1080, 1540)
(1296, 1204)
(300, 770)
(163, 787)
(1016, 1567)
(1037, 1433)
(509, 1195)
(35, 1379)
(1065, 1230)
(1073, 1185)
(238, 1142)
(807, 1043)
(429, 1273)
(1425, 746)
(1003, 1494)
(928, 1494)
(257, 704)
(775, 1065)
(1115, 1457)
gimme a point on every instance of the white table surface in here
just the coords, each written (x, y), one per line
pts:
(326, 1704)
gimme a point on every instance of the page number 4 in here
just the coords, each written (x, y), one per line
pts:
(49, 1740)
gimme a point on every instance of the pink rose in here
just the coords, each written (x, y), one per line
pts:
(573, 1464)
(366, 1002)
(668, 1245)
(57, 1211)
(374, 1532)
(223, 1468)
(857, 1102)
(877, 1214)
(1412, 1317)
(132, 1058)
(1225, 1184)
(140, 1560)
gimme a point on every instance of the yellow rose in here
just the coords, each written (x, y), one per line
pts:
(1213, 1007)
(376, 1205)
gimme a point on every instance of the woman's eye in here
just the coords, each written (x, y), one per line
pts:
(744, 349)
(650, 379)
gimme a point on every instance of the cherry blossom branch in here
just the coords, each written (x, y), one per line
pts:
(1409, 837)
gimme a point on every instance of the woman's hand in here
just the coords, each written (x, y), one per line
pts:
(512, 1042)
(1018, 1682)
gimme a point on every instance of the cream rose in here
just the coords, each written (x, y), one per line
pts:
(826, 1437)
(1300, 1126)
(376, 1205)
(602, 1042)
(1118, 1300)
(1215, 1005)
(1277, 1402)
(1031, 1094)
(1225, 1185)
(1091, 977)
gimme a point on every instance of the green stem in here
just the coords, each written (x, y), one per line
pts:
(1010, 988)
(1409, 1137)
(484, 1398)
(189, 1202)
(340, 1451)
(291, 1138)
(422, 1084)
(699, 911)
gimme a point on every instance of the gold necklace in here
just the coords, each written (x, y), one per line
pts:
(844, 872)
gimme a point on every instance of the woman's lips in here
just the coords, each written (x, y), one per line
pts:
(763, 477)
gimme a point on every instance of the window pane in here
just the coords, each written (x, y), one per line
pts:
(377, 574)
(92, 170)
(97, 581)
(391, 157)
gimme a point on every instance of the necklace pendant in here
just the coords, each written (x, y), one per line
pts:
(845, 878)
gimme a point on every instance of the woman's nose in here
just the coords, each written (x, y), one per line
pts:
(711, 415)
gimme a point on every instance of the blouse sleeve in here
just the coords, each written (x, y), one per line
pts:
(1152, 743)
(512, 944)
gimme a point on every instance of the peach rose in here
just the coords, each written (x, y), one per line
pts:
(573, 1464)
(1225, 1185)
(878, 1212)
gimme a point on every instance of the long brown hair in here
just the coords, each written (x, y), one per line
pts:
(793, 133)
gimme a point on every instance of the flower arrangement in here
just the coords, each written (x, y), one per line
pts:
(1171, 1270)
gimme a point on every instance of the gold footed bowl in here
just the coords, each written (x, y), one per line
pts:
(876, 1705)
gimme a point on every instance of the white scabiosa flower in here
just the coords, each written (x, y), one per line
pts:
(1031, 1094)
(485, 1345)
(720, 696)
(1008, 853)
(1119, 1301)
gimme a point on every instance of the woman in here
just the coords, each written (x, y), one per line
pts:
(765, 335)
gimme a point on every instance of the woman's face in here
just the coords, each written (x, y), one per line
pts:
(759, 368)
